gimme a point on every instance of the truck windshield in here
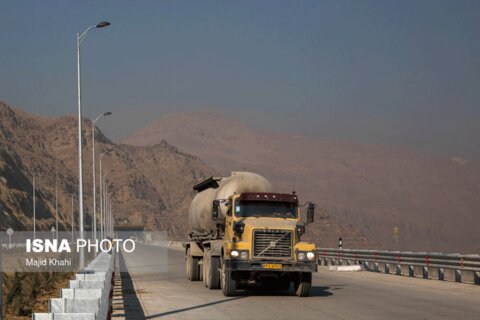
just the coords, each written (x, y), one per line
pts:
(265, 209)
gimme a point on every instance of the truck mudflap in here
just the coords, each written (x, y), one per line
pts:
(281, 266)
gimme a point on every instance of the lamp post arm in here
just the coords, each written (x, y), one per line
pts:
(80, 37)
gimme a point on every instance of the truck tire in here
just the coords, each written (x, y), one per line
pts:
(193, 269)
(303, 284)
(229, 282)
(214, 274)
(206, 266)
(211, 272)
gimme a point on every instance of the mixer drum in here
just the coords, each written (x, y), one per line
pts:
(200, 213)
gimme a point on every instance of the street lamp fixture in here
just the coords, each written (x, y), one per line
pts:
(102, 24)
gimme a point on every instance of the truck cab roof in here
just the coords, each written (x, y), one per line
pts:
(269, 196)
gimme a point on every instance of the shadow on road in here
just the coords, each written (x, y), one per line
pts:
(132, 307)
(320, 292)
(158, 315)
(314, 292)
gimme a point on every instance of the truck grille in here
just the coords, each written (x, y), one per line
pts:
(272, 243)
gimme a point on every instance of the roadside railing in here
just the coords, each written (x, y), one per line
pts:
(438, 266)
(88, 296)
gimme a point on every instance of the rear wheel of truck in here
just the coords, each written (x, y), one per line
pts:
(211, 273)
(303, 284)
(228, 282)
(193, 269)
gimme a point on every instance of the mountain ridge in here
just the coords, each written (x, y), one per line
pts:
(149, 185)
(430, 199)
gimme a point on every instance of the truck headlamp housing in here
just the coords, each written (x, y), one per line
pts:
(306, 255)
(239, 254)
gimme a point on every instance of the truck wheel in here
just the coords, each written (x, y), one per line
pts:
(206, 267)
(214, 273)
(211, 273)
(193, 269)
(303, 283)
(229, 282)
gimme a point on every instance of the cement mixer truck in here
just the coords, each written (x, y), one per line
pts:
(244, 235)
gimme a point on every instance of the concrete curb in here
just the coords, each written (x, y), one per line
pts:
(87, 296)
(346, 268)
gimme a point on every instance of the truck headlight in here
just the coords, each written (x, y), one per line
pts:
(244, 255)
(301, 256)
(234, 253)
(310, 255)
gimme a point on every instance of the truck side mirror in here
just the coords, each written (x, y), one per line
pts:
(215, 210)
(310, 212)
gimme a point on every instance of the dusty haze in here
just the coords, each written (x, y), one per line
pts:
(433, 200)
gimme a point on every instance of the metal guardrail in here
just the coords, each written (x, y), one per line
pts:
(439, 266)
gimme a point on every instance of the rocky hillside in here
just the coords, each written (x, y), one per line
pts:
(433, 201)
(150, 185)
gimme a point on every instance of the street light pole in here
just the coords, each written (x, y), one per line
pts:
(80, 164)
(73, 221)
(105, 204)
(94, 179)
(102, 212)
(111, 218)
(56, 207)
(34, 210)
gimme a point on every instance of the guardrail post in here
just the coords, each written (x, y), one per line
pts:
(425, 272)
(387, 268)
(398, 270)
(458, 275)
(411, 271)
(375, 267)
(476, 277)
(441, 274)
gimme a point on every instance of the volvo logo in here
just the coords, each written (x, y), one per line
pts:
(273, 244)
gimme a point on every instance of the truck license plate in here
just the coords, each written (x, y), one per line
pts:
(272, 266)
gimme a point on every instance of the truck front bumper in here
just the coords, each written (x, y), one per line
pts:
(266, 265)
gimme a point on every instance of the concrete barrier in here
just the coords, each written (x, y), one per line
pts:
(87, 296)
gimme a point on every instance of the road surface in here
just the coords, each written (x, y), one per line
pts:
(335, 295)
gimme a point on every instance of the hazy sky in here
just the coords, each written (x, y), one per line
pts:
(384, 72)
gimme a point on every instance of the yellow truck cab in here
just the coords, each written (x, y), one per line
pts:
(254, 240)
(263, 242)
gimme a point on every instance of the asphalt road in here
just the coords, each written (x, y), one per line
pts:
(335, 295)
